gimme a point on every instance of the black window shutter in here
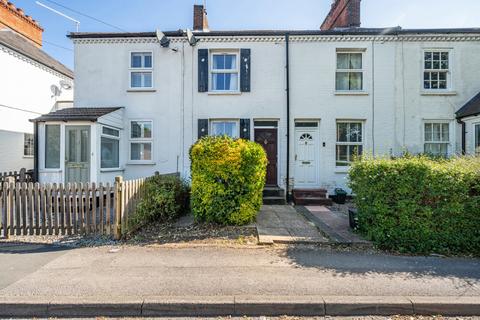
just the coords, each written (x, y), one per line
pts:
(202, 70)
(245, 70)
(202, 128)
(245, 129)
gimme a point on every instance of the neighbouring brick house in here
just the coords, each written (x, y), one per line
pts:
(31, 83)
(312, 98)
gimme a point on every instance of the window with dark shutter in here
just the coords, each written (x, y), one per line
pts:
(202, 128)
(202, 70)
(245, 129)
(245, 70)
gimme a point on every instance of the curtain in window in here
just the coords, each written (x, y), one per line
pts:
(224, 128)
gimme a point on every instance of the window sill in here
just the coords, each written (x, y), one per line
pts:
(226, 93)
(342, 170)
(28, 157)
(148, 163)
(141, 90)
(50, 170)
(439, 93)
(351, 93)
(111, 169)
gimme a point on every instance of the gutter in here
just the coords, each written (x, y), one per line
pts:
(287, 89)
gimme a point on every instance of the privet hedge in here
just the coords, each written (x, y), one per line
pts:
(165, 198)
(419, 205)
(228, 177)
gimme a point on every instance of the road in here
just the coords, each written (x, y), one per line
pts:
(45, 271)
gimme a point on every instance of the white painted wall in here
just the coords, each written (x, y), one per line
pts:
(393, 106)
(24, 94)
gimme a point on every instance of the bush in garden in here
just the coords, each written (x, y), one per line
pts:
(419, 204)
(165, 198)
(228, 177)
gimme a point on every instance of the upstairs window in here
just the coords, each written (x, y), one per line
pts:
(28, 145)
(436, 71)
(437, 139)
(224, 72)
(349, 142)
(349, 75)
(141, 140)
(141, 70)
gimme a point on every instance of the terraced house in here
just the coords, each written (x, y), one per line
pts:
(312, 98)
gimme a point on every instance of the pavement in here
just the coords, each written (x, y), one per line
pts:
(214, 281)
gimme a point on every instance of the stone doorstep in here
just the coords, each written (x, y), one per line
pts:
(238, 306)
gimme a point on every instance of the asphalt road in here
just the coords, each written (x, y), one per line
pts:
(42, 271)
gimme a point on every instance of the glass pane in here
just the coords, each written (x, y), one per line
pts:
(355, 61)
(231, 61)
(444, 57)
(109, 153)
(342, 132)
(428, 60)
(218, 81)
(147, 129)
(231, 81)
(356, 79)
(436, 132)
(342, 155)
(136, 79)
(428, 132)
(342, 61)
(445, 132)
(136, 61)
(136, 130)
(218, 62)
(342, 81)
(84, 145)
(147, 151)
(135, 151)
(147, 79)
(354, 151)
(218, 128)
(72, 145)
(148, 61)
(52, 146)
(355, 132)
(141, 151)
(477, 139)
(111, 132)
(231, 129)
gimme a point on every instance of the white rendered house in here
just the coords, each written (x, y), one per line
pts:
(312, 98)
(31, 83)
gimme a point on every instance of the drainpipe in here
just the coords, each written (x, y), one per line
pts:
(464, 133)
(287, 67)
(35, 148)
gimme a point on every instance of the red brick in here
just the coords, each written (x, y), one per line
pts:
(15, 19)
(343, 14)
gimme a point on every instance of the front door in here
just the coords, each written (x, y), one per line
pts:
(77, 154)
(267, 138)
(306, 155)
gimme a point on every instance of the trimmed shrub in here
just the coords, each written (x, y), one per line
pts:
(165, 198)
(228, 177)
(419, 204)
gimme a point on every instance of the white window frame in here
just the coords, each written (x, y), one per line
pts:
(449, 78)
(448, 143)
(476, 143)
(31, 148)
(105, 135)
(212, 71)
(362, 70)
(347, 143)
(237, 124)
(139, 69)
(140, 140)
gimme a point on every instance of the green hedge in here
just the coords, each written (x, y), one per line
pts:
(228, 177)
(418, 204)
(165, 198)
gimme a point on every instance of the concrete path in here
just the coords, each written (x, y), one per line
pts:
(283, 224)
(215, 280)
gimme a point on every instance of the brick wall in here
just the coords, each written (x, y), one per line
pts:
(15, 19)
(343, 14)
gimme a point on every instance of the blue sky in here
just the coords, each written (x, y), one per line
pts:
(149, 15)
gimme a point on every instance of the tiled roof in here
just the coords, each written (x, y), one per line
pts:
(75, 114)
(471, 108)
(21, 45)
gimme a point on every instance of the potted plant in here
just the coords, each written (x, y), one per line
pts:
(340, 196)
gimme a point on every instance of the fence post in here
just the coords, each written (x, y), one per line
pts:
(9, 206)
(118, 196)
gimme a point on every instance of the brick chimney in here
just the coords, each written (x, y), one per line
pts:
(343, 14)
(16, 20)
(200, 21)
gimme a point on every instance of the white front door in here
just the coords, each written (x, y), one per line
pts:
(306, 154)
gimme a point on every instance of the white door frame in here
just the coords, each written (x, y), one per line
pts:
(316, 136)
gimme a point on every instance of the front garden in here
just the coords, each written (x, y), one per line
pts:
(419, 205)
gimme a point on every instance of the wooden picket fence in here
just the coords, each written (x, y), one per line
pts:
(23, 175)
(78, 208)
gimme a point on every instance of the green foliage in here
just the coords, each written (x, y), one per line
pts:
(419, 204)
(228, 177)
(165, 198)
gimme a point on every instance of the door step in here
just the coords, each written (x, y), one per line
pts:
(273, 195)
(317, 197)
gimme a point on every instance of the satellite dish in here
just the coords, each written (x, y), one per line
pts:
(65, 85)
(162, 39)
(56, 92)
(191, 38)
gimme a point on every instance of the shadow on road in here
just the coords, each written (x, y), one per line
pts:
(364, 263)
(26, 248)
